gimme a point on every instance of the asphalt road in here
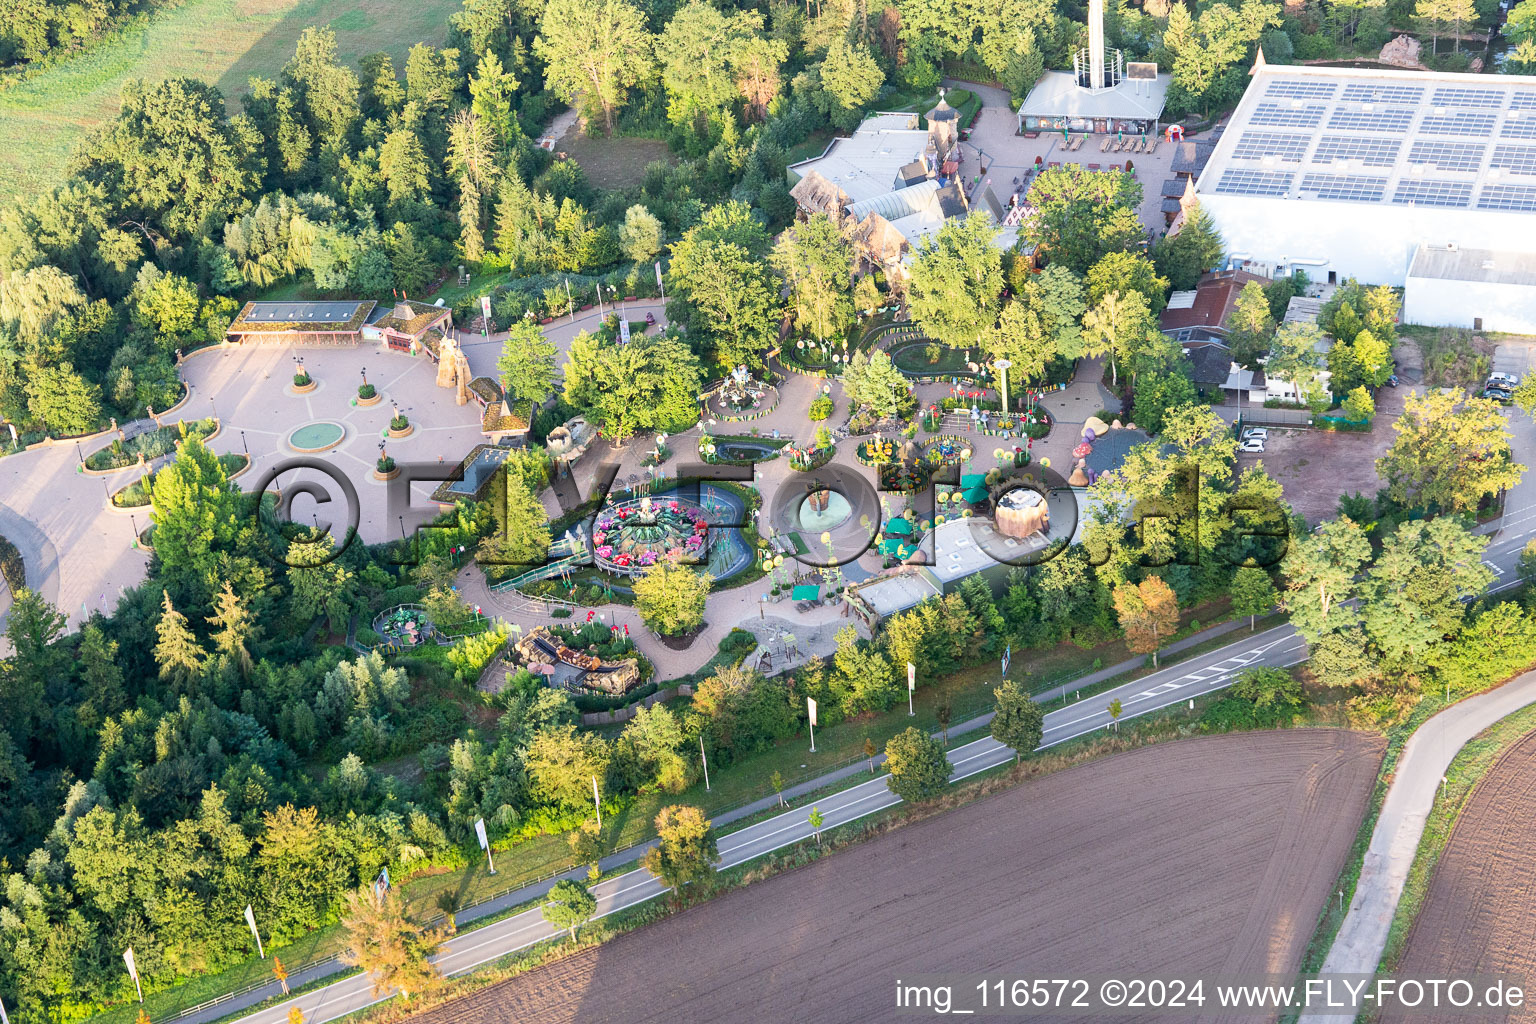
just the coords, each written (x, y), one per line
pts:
(1195, 677)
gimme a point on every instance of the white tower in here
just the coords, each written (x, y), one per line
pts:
(1096, 69)
(1096, 44)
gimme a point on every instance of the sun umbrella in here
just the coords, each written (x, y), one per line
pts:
(1082, 451)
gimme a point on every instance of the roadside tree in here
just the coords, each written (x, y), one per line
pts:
(1253, 592)
(387, 944)
(568, 905)
(919, 769)
(1149, 614)
(1019, 723)
(685, 852)
(1451, 451)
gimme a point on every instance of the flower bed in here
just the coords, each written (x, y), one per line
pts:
(152, 445)
(872, 452)
(140, 493)
(805, 461)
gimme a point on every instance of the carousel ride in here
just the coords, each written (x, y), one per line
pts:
(634, 535)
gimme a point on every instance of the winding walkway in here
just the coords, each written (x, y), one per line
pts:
(1428, 753)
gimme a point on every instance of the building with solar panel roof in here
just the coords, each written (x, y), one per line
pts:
(1354, 172)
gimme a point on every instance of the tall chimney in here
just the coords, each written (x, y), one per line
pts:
(1096, 45)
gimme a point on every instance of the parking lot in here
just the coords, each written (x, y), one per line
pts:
(1315, 467)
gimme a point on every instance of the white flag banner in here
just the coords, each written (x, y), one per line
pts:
(3, 1018)
(250, 919)
(480, 834)
(1007, 657)
(623, 331)
(911, 677)
(810, 707)
(133, 972)
(485, 307)
(658, 274)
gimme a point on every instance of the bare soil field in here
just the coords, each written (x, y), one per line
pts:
(612, 163)
(1315, 467)
(1477, 918)
(1213, 854)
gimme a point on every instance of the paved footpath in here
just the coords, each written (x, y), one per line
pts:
(1196, 677)
(1428, 753)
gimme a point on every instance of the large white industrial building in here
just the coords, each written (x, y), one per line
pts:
(1349, 172)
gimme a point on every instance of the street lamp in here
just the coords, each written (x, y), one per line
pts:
(365, 376)
(243, 444)
(1002, 365)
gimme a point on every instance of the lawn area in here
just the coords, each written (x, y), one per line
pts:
(913, 358)
(220, 41)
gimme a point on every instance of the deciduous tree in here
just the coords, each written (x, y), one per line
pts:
(1149, 614)
(594, 52)
(1252, 592)
(670, 597)
(386, 943)
(1450, 452)
(1320, 571)
(685, 852)
(919, 769)
(568, 905)
(816, 261)
(1018, 722)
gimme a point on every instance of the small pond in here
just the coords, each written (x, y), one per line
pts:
(317, 437)
(754, 451)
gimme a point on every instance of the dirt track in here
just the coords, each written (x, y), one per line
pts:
(1477, 918)
(1213, 854)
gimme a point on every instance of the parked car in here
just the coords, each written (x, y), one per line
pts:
(1252, 445)
(1503, 380)
(1392, 381)
(1500, 395)
(1262, 433)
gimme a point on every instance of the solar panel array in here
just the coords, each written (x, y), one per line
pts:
(1389, 120)
(1371, 152)
(1432, 192)
(1464, 122)
(1457, 96)
(1291, 88)
(1239, 181)
(1258, 145)
(1447, 156)
(1287, 116)
(1515, 159)
(1343, 186)
(1404, 140)
(1507, 197)
(1372, 92)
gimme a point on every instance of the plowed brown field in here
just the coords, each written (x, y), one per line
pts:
(1211, 855)
(1478, 916)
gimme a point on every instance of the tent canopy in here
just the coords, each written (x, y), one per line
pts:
(895, 549)
(805, 592)
(969, 480)
(976, 495)
(899, 527)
